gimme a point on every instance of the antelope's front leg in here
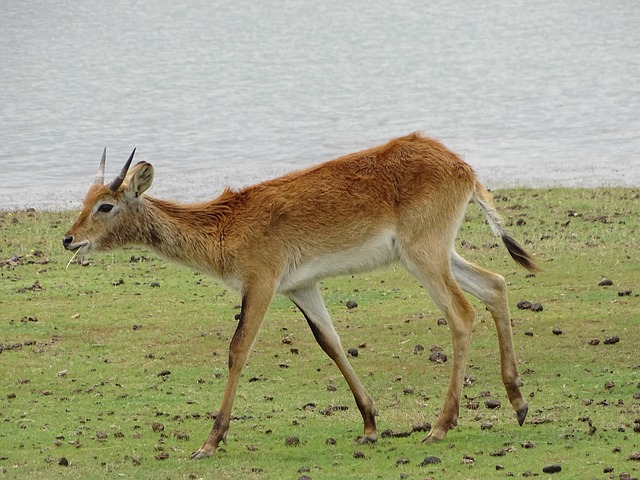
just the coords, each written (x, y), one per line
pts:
(253, 310)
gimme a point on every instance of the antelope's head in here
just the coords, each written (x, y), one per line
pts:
(109, 213)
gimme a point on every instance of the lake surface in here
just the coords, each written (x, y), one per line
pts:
(228, 93)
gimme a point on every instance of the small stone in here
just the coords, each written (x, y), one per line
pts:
(292, 441)
(612, 340)
(605, 283)
(486, 426)
(609, 384)
(353, 352)
(63, 462)
(330, 441)
(358, 454)
(154, 284)
(157, 427)
(430, 461)
(418, 349)
(351, 304)
(442, 321)
(557, 331)
(527, 444)
(594, 342)
(552, 469)
(624, 293)
(635, 456)
(438, 357)
(537, 307)
(492, 404)
(524, 305)
(421, 427)
(180, 435)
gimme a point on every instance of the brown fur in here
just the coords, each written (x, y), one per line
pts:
(401, 201)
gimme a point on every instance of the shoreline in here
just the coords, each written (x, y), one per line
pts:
(48, 208)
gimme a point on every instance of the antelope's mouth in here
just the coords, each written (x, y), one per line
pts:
(79, 247)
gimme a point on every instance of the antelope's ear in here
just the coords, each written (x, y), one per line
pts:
(139, 179)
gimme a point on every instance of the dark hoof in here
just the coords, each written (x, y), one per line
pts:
(522, 414)
(365, 440)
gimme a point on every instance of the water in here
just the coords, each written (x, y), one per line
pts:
(218, 93)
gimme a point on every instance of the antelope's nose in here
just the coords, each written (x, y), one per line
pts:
(66, 241)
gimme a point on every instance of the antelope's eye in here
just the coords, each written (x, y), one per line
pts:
(105, 208)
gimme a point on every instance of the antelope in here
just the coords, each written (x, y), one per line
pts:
(399, 202)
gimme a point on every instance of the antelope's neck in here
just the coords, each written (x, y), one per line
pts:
(189, 234)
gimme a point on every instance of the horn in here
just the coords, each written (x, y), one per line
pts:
(113, 186)
(100, 175)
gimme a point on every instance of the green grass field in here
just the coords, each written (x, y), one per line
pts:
(114, 367)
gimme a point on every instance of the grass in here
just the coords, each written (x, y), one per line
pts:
(118, 366)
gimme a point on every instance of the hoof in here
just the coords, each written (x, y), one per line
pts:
(433, 437)
(200, 454)
(430, 439)
(522, 414)
(365, 439)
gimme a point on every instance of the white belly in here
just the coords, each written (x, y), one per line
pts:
(376, 252)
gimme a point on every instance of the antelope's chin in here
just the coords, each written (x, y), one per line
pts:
(80, 248)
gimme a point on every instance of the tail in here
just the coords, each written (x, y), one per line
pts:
(483, 199)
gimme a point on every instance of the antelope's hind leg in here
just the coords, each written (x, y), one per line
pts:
(431, 267)
(310, 303)
(491, 289)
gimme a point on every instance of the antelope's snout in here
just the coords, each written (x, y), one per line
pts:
(70, 243)
(67, 241)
